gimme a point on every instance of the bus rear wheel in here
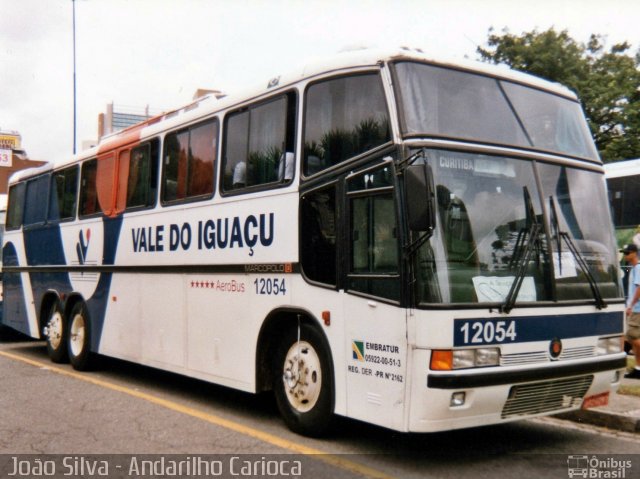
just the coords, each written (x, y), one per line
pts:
(79, 338)
(303, 381)
(56, 334)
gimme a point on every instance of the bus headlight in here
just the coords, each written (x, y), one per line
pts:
(610, 345)
(464, 358)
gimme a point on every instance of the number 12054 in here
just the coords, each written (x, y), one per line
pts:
(487, 332)
(271, 286)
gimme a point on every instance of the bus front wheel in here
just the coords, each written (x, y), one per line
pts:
(79, 338)
(56, 334)
(303, 382)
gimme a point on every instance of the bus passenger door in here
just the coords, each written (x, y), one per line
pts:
(375, 323)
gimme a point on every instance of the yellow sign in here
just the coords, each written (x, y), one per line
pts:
(9, 141)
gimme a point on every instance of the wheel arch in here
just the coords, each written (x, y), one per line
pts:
(276, 322)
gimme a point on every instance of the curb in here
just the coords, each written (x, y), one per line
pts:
(619, 422)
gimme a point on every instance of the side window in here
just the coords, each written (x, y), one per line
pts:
(63, 195)
(16, 206)
(189, 162)
(89, 204)
(318, 235)
(344, 117)
(35, 206)
(142, 184)
(374, 259)
(259, 145)
(138, 177)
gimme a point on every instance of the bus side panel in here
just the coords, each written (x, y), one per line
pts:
(209, 276)
(376, 344)
(89, 245)
(14, 301)
(145, 320)
(122, 331)
(43, 247)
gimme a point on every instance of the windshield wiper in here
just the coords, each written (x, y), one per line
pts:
(522, 253)
(563, 235)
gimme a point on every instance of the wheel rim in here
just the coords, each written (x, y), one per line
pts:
(54, 330)
(77, 333)
(302, 376)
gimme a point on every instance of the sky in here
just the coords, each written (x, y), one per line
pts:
(136, 53)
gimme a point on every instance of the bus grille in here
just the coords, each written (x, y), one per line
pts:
(546, 396)
(518, 359)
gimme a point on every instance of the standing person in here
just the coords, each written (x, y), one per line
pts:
(630, 252)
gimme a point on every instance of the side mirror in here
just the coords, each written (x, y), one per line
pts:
(420, 198)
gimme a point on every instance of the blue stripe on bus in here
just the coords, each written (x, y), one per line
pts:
(481, 331)
(43, 246)
(97, 304)
(14, 306)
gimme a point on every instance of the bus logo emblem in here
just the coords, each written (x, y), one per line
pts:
(82, 246)
(555, 348)
(358, 350)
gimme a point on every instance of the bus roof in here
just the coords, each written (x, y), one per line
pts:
(362, 58)
(29, 172)
(622, 168)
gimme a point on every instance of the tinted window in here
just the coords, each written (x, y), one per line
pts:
(189, 159)
(138, 176)
(35, 209)
(16, 206)
(259, 144)
(624, 196)
(373, 267)
(63, 197)
(344, 117)
(456, 104)
(450, 103)
(89, 204)
(318, 235)
(552, 122)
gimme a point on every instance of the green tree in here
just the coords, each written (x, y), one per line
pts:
(607, 81)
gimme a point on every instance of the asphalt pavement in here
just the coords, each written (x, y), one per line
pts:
(622, 413)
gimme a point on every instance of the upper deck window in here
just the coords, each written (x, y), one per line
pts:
(89, 204)
(138, 177)
(344, 117)
(15, 209)
(189, 158)
(34, 210)
(454, 104)
(259, 145)
(63, 194)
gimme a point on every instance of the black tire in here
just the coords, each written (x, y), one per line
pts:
(79, 338)
(305, 397)
(55, 331)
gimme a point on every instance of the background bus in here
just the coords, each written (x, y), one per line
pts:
(623, 182)
(412, 242)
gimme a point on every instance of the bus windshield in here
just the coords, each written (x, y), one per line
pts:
(442, 102)
(493, 223)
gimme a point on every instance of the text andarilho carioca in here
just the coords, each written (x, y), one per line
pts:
(209, 234)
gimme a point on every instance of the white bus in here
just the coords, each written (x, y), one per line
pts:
(416, 243)
(623, 182)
